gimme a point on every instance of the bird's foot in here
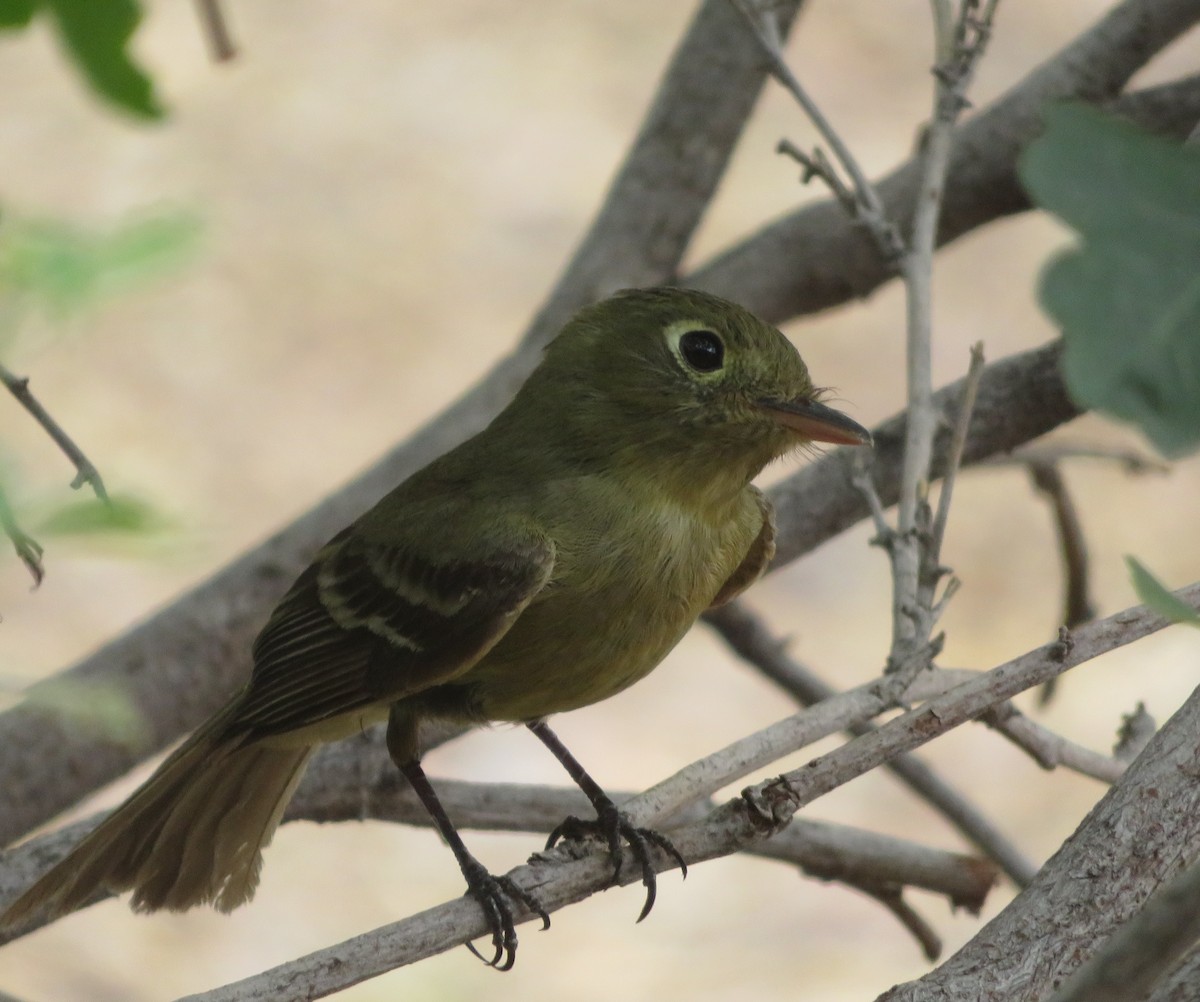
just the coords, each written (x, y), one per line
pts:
(614, 828)
(494, 895)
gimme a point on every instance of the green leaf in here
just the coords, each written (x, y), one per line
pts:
(145, 247)
(66, 267)
(91, 516)
(96, 34)
(16, 13)
(49, 260)
(1127, 298)
(1156, 596)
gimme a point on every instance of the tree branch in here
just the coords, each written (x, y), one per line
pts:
(216, 30)
(85, 470)
(1139, 953)
(1180, 983)
(820, 849)
(859, 198)
(1051, 750)
(355, 779)
(816, 258)
(1144, 830)
(558, 879)
(751, 640)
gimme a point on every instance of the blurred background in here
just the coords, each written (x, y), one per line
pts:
(388, 191)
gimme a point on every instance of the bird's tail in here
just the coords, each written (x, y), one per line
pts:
(192, 834)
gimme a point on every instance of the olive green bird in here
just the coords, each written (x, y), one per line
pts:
(545, 564)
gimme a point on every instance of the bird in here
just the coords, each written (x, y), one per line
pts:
(545, 564)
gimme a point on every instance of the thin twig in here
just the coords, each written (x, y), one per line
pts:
(1051, 750)
(866, 206)
(1077, 605)
(915, 564)
(1131, 461)
(892, 898)
(864, 483)
(751, 639)
(85, 471)
(970, 700)
(817, 165)
(29, 550)
(216, 30)
(748, 754)
(958, 441)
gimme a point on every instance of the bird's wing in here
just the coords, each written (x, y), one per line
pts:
(370, 622)
(757, 557)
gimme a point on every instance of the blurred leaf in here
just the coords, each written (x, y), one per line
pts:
(67, 267)
(96, 33)
(1156, 596)
(91, 516)
(1128, 298)
(16, 13)
(102, 708)
(150, 245)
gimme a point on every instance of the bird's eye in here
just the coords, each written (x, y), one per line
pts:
(702, 350)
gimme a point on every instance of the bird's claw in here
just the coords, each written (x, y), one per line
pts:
(493, 894)
(614, 828)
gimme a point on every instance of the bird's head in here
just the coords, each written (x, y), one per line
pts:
(686, 373)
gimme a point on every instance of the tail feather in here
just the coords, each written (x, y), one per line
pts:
(192, 834)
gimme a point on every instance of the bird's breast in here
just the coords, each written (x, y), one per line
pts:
(629, 581)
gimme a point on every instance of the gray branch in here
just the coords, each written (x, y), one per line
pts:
(815, 258)
(1138, 954)
(1144, 831)
(570, 873)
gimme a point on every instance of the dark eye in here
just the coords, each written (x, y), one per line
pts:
(702, 350)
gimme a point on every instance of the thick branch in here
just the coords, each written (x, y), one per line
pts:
(1180, 984)
(1138, 954)
(1144, 831)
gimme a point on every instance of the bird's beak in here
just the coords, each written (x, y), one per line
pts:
(816, 422)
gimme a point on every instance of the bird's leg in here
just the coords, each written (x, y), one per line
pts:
(610, 823)
(493, 893)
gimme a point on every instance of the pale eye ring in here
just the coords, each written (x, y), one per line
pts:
(702, 350)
